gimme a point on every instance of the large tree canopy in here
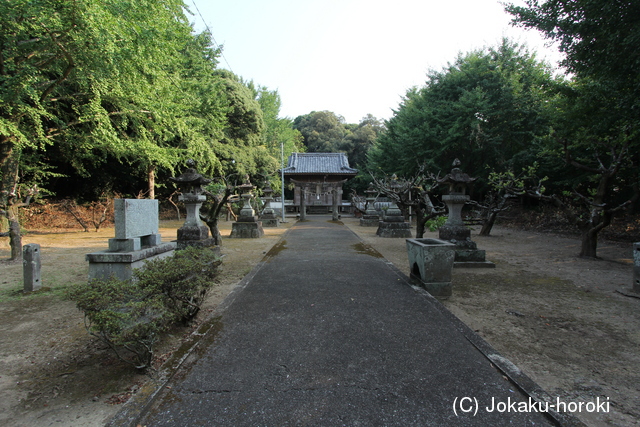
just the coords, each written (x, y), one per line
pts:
(323, 131)
(485, 108)
(119, 91)
(596, 121)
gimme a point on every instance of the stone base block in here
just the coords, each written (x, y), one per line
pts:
(471, 258)
(194, 232)
(474, 264)
(247, 230)
(458, 233)
(249, 218)
(105, 264)
(394, 229)
(369, 222)
(269, 222)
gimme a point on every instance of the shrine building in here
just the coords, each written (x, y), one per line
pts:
(318, 177)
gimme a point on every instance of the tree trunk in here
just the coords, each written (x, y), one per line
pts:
(152, 182)
(9, 175)
(212, 223)
(421, 221)
(15, 240)
(488, 224)
(589, 243)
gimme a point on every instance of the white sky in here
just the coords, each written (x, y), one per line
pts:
(352, 57)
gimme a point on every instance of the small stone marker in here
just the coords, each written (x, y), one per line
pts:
(636, 267)
(31, 267)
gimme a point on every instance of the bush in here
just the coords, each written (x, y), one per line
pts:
(130, 316)
(435, 223)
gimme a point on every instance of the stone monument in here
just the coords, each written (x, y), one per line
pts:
(247, 226)
(31, 267)
(268, 216)
(136, 240)
(454, 230)
(634, 291)
(370, 217)
(636, 268)
(393, 224)
(194, 232)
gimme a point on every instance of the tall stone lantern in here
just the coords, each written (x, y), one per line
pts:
(370, 217)
(457, 181)
(454, 230)
(247, 225)
(194, 232)
(268, 216)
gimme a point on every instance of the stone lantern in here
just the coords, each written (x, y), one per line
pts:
(247, 225)
(194, 232)
(457, 181)
(393, 224)
(454, 230)
(370, 217)
(268, 216)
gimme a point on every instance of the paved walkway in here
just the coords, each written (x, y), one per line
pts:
(327, 333)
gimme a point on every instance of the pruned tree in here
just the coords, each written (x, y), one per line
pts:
(590, 209)
(415, 193)
(219, 195)
(504, 186)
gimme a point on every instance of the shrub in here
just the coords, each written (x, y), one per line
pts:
(435, 223)
(130, 316)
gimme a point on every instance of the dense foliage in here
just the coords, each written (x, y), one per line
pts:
(112, 96)
(130, 316)
(487, 109)
(499, 110)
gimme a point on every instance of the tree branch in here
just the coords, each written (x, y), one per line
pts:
(70, 66)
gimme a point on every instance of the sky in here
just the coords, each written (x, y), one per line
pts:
(352, 57)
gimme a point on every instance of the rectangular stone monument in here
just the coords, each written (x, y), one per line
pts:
(31, 267)
(136, 222)
(136, 240)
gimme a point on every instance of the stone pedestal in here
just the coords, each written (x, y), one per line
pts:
(193, 232)
(431, 262)
(369, 221)
(247, 226)
(247, 230)
(467, 253)
(268, 216)
(454, 228)
(393, 224)
(634, 291)
(370, 217)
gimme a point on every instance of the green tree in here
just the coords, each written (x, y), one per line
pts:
(323, 131)
(85, 76)
(356, 145)
(596, 125)
(280, 138)
(486, 108)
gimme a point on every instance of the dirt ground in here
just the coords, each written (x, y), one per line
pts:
(556, 316)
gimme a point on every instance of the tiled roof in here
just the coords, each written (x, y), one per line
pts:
(319, 163)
